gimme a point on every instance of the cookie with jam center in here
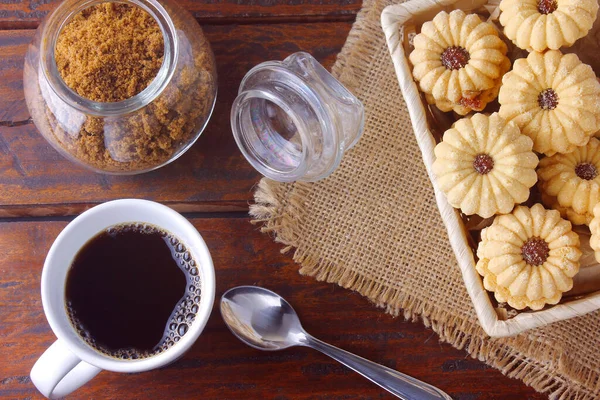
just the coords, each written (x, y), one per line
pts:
(554, 99)
(485, 166)
(459, 61)
(529, 257)
(547, 24)
(570, 183)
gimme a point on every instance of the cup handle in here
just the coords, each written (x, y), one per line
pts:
(58, 372)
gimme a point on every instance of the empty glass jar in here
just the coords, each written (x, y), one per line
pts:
(142, 132)
(293, 120)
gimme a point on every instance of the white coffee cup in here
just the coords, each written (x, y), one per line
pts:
(70, 362)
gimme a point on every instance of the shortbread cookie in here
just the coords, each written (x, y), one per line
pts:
(459, 61)
(595, 230)
(547, 24)
(467, 104)
(484, 165)
(529, 257)
(565, 212)
(572, 181)
(554, 99)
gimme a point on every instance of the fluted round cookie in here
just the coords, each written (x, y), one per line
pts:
(595, 230)
(547, 24)
(472, 101)
(457, 57)
(565, 212)
(528, 257)
(572, 181)
(485, 165)
(554, 99)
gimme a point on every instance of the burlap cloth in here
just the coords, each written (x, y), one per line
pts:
(374, 227)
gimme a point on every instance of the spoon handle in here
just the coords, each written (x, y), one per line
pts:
(400, 385)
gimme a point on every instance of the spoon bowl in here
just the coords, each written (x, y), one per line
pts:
(261, 318)
(264, 320)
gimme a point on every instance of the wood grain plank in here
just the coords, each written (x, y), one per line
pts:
(36, 180)
(219, 366)
(28, 14)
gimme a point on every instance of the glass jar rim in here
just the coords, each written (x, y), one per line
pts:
(63, 14)
(264, 168)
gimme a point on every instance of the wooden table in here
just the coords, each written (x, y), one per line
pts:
(212, 185)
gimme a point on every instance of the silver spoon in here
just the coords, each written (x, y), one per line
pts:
(264, 320)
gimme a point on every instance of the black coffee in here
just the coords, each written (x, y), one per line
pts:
(133, 291)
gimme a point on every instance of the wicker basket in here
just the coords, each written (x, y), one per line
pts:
(399, 22)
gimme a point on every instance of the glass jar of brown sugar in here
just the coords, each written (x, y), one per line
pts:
(120, 87)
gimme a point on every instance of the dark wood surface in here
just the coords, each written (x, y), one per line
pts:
(211, 176)
(213, 182)
(27, 14)
(219, 366)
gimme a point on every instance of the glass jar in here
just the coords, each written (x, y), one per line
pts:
(293, 120)
(142, 132)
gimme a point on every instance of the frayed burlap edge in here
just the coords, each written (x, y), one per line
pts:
(280, 209)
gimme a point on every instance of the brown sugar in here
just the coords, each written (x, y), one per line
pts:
(109, 52)
(153, 134)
